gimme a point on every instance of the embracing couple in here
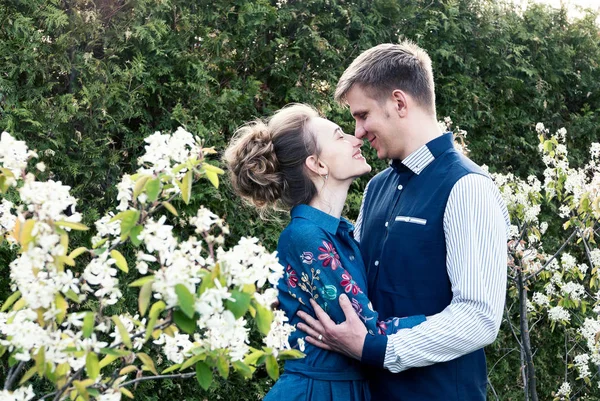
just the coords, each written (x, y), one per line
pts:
(400, 306)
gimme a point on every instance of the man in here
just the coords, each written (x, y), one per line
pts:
(432, 231)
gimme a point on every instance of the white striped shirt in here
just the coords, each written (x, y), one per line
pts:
(476, 225)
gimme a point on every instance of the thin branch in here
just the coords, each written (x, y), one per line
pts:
(534, 275)
(13, 374)
(177, 376)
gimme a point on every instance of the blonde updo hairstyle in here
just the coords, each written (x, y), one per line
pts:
(266, 159)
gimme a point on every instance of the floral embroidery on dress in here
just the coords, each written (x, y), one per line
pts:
(307, 257)
(359, 310)
(291, 276)
(329, 256)
(349, 284)
(382, 327)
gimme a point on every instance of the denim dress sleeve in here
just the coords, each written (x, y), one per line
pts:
(316, 267)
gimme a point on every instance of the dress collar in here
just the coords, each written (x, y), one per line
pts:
(422, 157)
(323, 220)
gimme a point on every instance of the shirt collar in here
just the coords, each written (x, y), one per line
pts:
(422, 157)
(323, 220)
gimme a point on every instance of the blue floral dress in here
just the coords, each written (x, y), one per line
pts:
(322, 261)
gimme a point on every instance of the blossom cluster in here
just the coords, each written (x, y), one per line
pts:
(213, 286)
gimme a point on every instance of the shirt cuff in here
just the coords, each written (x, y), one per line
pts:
(374, 350)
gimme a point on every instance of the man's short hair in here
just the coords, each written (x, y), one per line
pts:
(386, 67)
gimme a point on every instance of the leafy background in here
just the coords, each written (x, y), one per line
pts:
(83, 82)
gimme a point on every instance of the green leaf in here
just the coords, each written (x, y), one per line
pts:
(155, 311)
(144, 298)
(107, 360)
(290, 354)
(10, 300)
(186, 187)
(115, 352)
(122, 331)
(185, 323)
(243, 369)
(88, 324)
(28, 375)
(203, 375)
(133, 235)
(92, 366)
(272, 367)
(129, 219)
(192, 360)
(153, 189)
(171, 368)
(253, 358)
(119, 260)
(264, 317)
(72, 295)
(186, 300)
(170, 208)
(140, 184)
(141, 281)
(71, 225)
(240, 303)
(99, 243)
(62, 306)
(77, 252)
(213, 178)
(223, 366)
(147, 361)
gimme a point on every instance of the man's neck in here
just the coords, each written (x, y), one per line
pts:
(422, 131)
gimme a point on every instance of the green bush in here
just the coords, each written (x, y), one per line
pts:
(84, 82)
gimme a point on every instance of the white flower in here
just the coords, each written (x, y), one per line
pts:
(568, 261)
(301, 344)
(110, 395)
(125, 188)
(20, 394)
(204, 220)
(539, 127)
(14, 154)
(581, 363)
(558, 313)
(277, 339)
(176, 348)
(49, 200)
(564, 390)
(540, 299)
(574, 290)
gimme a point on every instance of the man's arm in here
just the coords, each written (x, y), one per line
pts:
(475, 223)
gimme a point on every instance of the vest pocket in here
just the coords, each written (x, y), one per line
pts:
(409, 219)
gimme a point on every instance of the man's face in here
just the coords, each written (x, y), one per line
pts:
(376, 121)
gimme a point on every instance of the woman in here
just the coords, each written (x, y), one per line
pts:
(306, 163)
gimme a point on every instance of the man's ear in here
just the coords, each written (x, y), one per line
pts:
(400, 99)
(316, 166)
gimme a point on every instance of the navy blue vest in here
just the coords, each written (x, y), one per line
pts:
(404, 250)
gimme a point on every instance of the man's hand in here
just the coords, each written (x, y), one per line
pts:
(346, 338)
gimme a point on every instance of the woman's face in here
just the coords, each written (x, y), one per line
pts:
(340, 152)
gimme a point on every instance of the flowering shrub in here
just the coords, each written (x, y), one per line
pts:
(196, 304)
(556, 285)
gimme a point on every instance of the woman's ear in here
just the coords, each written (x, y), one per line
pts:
(400, 102)
(316, 166)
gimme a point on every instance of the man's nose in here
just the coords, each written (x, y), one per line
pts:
(359, 131)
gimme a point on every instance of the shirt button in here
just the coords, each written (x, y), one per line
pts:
(376, 263)
(351, 257)
(386, 223)
(400, 187)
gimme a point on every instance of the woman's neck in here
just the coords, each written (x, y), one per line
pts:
(331, 199)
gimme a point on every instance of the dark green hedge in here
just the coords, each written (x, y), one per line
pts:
(84, 82)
